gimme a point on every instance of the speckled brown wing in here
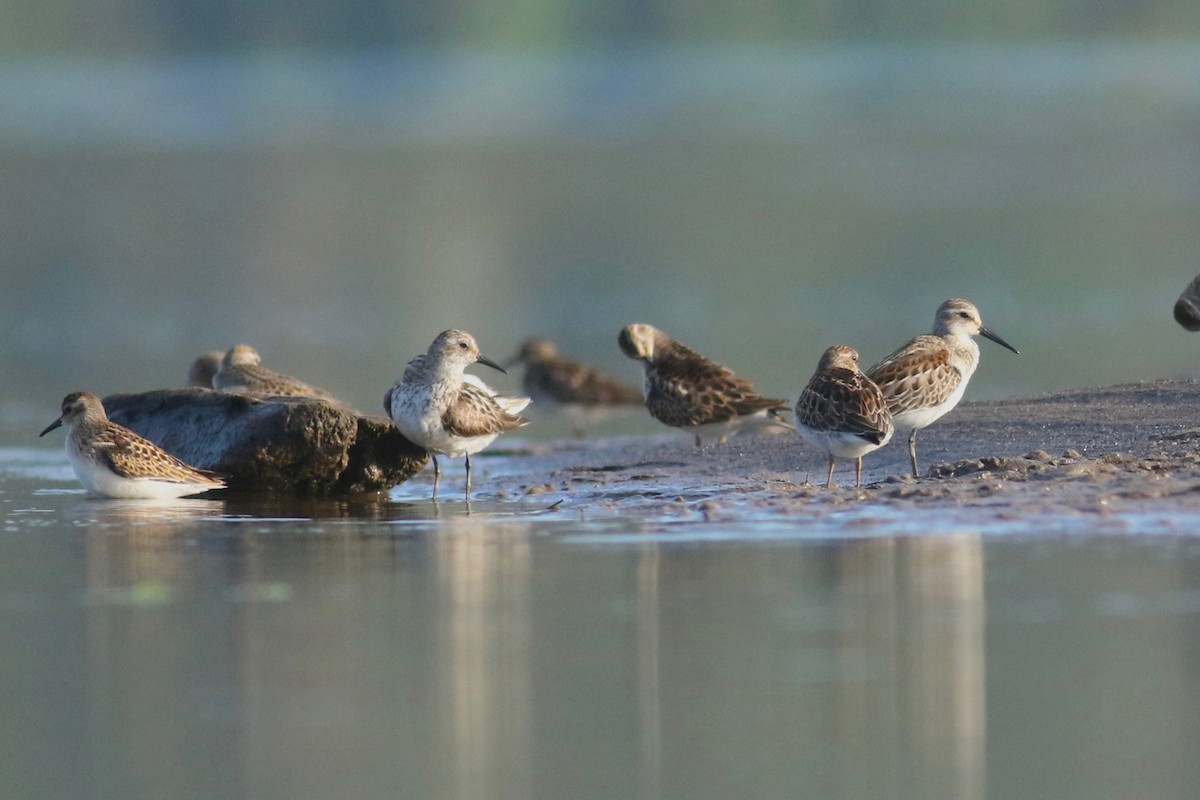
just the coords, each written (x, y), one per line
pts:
(844, 401)
(261, 380)
(917, 375)
(130, 456)
(685, 389)
(475, 413)
(568, 381)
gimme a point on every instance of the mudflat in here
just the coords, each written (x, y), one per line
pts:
(1128, 448)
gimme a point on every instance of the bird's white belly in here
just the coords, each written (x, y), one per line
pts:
(415, 417)
(100, 480)
(924, 417)
(841, 445)
(455, 446)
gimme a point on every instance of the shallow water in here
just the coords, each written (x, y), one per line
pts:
(279, 648)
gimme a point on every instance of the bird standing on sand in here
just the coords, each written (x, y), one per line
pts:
(437, 406)
(842, 411)
(926, 378)
(684, 389)
(242, 372)
(577, 390)
(112, 461)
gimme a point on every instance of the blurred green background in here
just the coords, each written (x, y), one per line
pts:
(337, 183)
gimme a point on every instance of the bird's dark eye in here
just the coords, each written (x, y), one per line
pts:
(964, 315)
(462, 345)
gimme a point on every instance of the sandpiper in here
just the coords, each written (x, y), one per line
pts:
(241, 372)
(112, 461)
(926, 378)
(204, 368)
(842, 411)
(441, 408)
(576, 390)
(684, 389)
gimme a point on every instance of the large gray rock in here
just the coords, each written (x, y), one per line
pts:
(1187, 307)
(287, 444)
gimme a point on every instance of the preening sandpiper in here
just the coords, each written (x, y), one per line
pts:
(842, 411)
(684, 389)
(578, 391)
(242, 372)
(112, 461)
(926, 378)
(438, 406)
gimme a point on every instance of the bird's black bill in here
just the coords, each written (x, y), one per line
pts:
(988, 334)
(56, 424)
(489, 363)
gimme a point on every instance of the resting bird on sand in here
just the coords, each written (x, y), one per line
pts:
(576, 390)
(684, 389)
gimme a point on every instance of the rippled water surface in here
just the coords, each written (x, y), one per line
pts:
(248, 647)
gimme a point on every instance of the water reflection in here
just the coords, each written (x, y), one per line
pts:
(450, 657)
(488, 656)
(912, 622)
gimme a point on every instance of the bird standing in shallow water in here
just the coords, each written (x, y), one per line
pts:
(842, 411)
(926, 378)
(112, 461)
(437, 406)
(684, 389)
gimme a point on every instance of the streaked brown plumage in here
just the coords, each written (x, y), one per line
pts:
(842, 411)
(112, 461)
(241, 372)
(684, 389)
(925, 378)
(552, 377)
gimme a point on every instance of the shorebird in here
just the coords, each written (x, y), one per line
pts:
(578, 391)
(926, 378)
(842, 411)
(204, 368)
(112, 461)
(241, 372)
(684, 389)
(436, 405)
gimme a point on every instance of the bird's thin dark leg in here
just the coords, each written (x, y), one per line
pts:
(468, 477)
(829, 478)
(858, 472)
(912, 452)
(437, 475)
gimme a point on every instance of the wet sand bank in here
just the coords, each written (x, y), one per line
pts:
(1125, 448)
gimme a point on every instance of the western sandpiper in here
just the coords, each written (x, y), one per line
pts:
(441, 408)
(578, 391)
(204, 368)
(242, 372)
(842, 411)
(926, 378)
(684, 389)
(112, 461)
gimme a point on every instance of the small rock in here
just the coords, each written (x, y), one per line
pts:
(1071, 453)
